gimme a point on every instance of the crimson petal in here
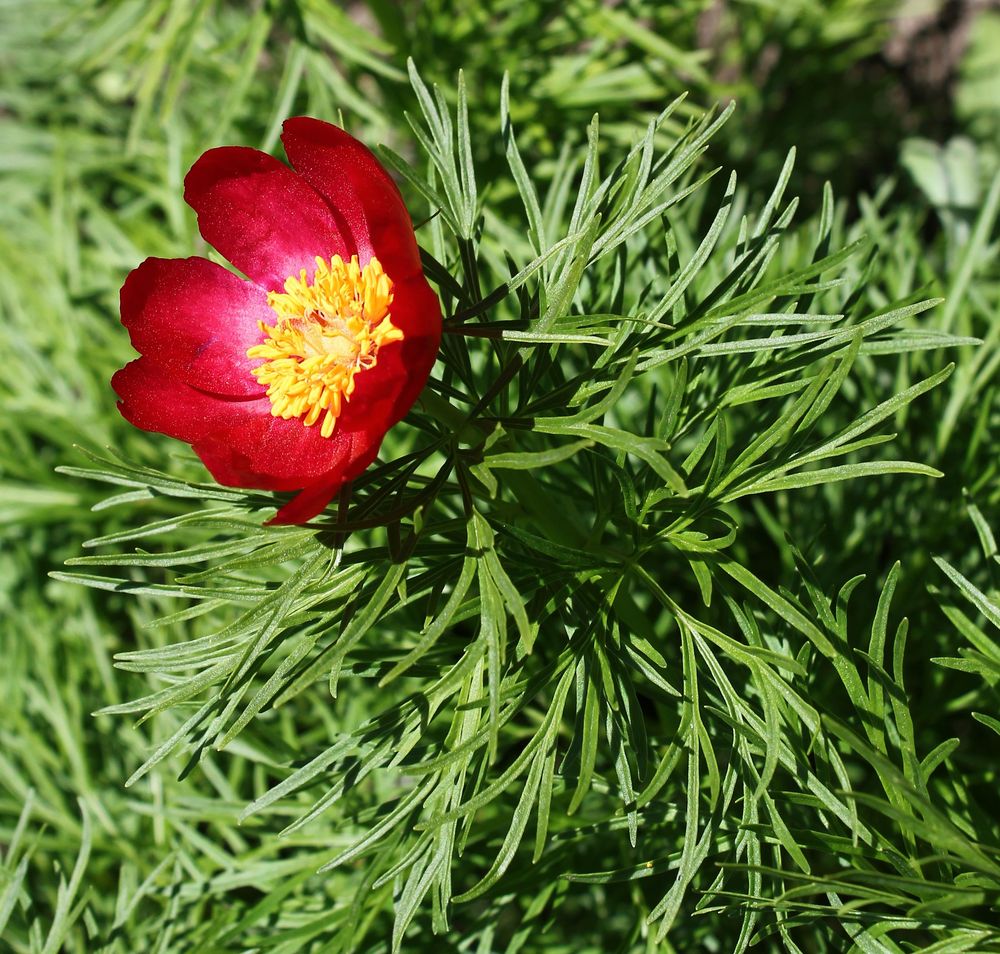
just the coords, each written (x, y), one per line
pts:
(196, 319)
(358, 187)
(259, 450)
(383, 396)
(268, 221)
(153, 398)
(307, 504)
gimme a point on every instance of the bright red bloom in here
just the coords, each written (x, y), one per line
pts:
(288, 381)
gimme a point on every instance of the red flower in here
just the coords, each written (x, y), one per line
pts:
(290, 380)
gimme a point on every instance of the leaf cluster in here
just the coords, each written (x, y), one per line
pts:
(573, 666)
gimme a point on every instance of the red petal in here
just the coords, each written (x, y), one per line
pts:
(358, 187)
(268, 221)
(259, 450)
(240, 443)
(307, 504)
(196, 319)
(153, 398)
(231, 468)
(384, 395)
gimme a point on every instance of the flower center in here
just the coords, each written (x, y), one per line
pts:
(328, 330)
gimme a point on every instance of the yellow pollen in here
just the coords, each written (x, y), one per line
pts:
(328, 330)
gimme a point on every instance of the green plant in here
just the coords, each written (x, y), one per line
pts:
(574, 667)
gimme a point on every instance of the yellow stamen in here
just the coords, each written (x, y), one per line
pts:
(328, 330)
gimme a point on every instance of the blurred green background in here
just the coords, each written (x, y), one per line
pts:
(105, 105)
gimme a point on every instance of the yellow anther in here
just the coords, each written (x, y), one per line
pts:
(328, 330)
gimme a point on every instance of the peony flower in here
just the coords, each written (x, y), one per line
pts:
(289, 379)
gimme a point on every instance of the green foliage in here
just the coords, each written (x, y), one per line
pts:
(574, 666)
